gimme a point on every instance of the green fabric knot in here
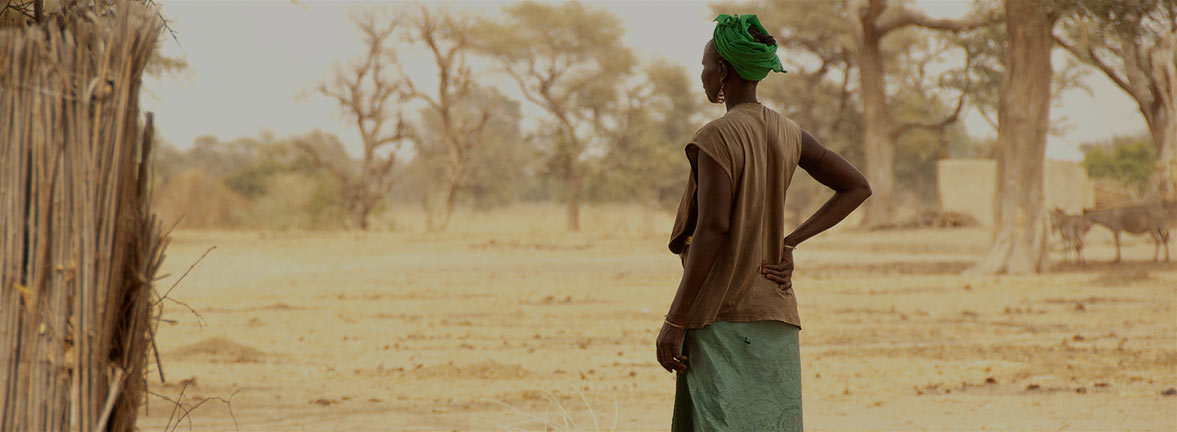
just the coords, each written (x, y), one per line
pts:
(751, 59)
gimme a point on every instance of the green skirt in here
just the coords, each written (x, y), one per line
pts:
(740, 377)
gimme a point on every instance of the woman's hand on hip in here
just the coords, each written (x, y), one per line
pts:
(669, 348)
(781, 273)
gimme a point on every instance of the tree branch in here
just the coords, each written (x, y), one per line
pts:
(320, 162)
(1089, 56)
(903, 17)
(383, 173)
(482, 122)
(988, 118)
(814, 77)
(939, 124)
(402, 132)
(843, 98)
(527, 93)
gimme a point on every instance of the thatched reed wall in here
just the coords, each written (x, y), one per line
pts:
(78, 246)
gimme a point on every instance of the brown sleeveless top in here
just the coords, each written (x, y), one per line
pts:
(759, 149)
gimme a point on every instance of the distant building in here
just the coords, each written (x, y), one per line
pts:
(968, 186)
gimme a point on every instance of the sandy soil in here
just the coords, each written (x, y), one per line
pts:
(507, 323)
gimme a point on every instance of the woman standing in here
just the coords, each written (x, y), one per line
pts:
(731, 333)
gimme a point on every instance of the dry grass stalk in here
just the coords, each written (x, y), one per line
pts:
(79, 247)
(565, 422)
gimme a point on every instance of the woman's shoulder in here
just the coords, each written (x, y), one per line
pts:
(789, 124)
(713, 128)
(783, 118)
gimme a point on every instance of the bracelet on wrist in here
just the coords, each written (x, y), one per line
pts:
(667, 320)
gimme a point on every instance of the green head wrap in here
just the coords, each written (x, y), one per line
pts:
(751, 59)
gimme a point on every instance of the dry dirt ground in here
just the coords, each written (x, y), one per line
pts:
(507, 322)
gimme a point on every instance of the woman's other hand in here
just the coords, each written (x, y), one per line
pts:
(781, 273)
(669, 348)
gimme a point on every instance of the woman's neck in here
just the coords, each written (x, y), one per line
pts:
(739, 94)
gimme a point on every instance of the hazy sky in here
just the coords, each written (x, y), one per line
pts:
(250, 60)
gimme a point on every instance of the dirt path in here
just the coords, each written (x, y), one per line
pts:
(497, 332)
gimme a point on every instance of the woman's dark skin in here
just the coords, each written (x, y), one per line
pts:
(722, 84)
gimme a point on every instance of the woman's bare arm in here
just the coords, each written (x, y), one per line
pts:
(830, 169)
(711, 234)
(850, 190)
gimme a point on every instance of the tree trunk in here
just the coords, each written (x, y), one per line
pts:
(878, 135)
(570, 172)
(1165, 174)
(572, 187)
(437, 213)
(359, 216)
(567, 153)
(430, 212)
(1164, 132)
(1020, 228)
(447, 205)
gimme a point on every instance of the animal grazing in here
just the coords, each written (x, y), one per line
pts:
(1154, 219)
(1071, 228)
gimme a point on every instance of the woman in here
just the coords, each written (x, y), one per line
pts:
(731, 333)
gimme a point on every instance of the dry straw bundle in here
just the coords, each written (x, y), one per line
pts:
(79, 247)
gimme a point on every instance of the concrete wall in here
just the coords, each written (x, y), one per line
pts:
(968, 186)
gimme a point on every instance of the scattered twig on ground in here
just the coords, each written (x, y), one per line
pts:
(186, 411)
(199, 318)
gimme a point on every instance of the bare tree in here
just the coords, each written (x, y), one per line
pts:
(1132, 43)
(447, 37)
(364, 91)
(495, 165)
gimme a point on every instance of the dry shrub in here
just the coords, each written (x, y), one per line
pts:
(292, 201)
(281, 207)
(933, 219)
(200, 202)
(295, 201)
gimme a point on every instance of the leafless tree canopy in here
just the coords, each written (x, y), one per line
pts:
(447, 36)
(368, 93)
